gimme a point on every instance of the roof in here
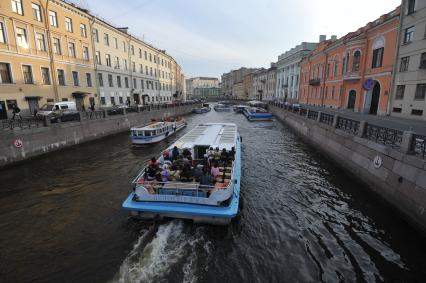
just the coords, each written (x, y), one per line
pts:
(222, 135)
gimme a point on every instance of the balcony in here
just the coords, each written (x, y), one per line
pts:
(315, 82)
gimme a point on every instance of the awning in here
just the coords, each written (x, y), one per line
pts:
(35, 97)
(79, 94)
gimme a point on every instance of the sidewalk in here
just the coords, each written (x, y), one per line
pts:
(418, 127)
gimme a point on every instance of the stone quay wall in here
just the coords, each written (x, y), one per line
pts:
(22, 143)
(390, 162)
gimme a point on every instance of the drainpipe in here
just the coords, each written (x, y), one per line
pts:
(95, 63)
(363, 74)
(395, 65)
(50, 50)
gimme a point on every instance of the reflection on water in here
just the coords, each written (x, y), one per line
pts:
(303, 220)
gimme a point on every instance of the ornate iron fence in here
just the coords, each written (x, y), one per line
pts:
(302, 112)
(348, 125)
(313, 115)
(132, 109)
(326, 118)
(420, 145)
(93, 115)
(386, 136)
(26, 122)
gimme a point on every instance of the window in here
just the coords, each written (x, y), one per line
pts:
(5, 74)
(332, 92)
(10, 103)
(64, 99)
(404, 64)
(150, 58)
(83, 30)
(140, 53)
(120, 99)
(61, 77)
(75, 78)
(103, 102)
(377, 58)
(112, 100)
(100, 79)
(57, 46)
(95, 35)
(17, 7)
(116, 43)
(2, 33)
(108, 60)
(411, 4)
(53, 19)
(106, 39)
(117, 63)
(146, 70)
(125, 64)
(36, 12)
(27, 73)
(98, 57)
(124, 46)
(21, 37)
(110, 82)
(155, 72)
(86, 53)
(150, 71)
(141, 68)
(408, 35)
(134, 66)
(68, 24)
(146, 56)
(118, 81)
(126, 82)
(400, 89)
(142, 85)
(45, 76)
(135, 83)
(40, 42)
(356, 61)
(420, 92)
(89, 79)
(417, 112)
(71, 49)
(397, 110)
(155, 59)
(132, 49)
(423, 61)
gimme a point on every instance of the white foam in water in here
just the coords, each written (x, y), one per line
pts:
(169, 245)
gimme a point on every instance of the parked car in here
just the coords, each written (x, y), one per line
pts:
(63, 111)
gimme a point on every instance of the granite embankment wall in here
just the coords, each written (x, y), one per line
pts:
(400, 177)
(40, 140)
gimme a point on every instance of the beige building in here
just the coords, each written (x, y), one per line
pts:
(200, 83)
(238, 90)
(264, 82)
(248, 85)
(45, 55)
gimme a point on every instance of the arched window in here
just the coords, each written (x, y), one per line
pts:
(356, 60)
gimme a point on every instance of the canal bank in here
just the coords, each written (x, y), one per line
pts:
(390, 169)
(21, 144)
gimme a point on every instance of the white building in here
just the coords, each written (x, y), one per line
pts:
(288, 71)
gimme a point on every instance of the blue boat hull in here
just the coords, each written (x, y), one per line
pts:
(216, 215)
(258, 116)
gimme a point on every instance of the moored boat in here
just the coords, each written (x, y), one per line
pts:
(156, 131)
(222, 108)
(180, 194)
(240, 108)
(257, 114)
(204, 109)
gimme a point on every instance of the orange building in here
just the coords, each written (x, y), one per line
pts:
(355, 71)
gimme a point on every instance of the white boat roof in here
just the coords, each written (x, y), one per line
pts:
(222, 135)
(153, 126)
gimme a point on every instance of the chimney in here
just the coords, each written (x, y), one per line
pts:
(322, 37)
(333, 37)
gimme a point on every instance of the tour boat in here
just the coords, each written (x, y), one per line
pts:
(256, 103)
(240, 108)
(204, 109)
(156, 131)
(257, 114)
(222, 108)
(216, 203)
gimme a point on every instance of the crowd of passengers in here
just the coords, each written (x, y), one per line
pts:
(178, 165)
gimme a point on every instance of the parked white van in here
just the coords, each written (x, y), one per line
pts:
(52, 107)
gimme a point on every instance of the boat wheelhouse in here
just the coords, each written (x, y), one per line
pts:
(257, 114)
(156, 131)
(240, 108)
(256, 103)
(188, 196)
(222, 107)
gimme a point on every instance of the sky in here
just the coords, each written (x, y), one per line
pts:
(211, 37)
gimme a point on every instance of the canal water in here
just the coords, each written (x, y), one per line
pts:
(302, 220)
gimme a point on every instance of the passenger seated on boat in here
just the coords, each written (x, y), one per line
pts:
(215, 172)
(175, 153)
(153, 163)
(150, 173)
(165, 174)
(224, 156)
(186, 153)
(166, 155)
(185, 175)
(231, 154)
(216, 154)
(178, 163)
(197, 172)
(206, 179)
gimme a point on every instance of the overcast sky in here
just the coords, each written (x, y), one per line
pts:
(210, 37)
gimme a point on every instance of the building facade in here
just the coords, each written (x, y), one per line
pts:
(56, 51)
(409, 88)
(199, 83)
(248, 86)
(45, 55)
(355, 71)
(232, 78)
(264, 83)
(288, 71)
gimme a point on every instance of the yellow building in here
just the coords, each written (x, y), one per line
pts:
(45, 54)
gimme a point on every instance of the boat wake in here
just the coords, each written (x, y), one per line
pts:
(174, 253)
